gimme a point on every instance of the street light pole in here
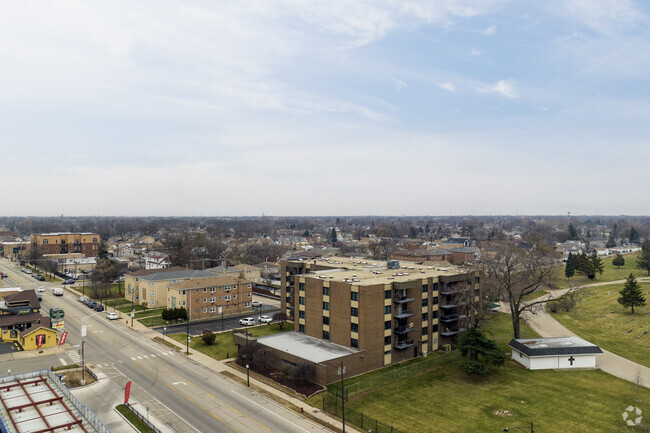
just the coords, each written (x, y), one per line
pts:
(342, 397)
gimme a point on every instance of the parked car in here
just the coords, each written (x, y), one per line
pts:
(69, 281)
(247, 321)
(99, 307)
(39, 296)
(264, 319)
(82, 299)
(27, 271)
(111, 315)
(91, 304)
(41, 289)
(39, 277)
(57, 291)
(256, 304)
(3, 275)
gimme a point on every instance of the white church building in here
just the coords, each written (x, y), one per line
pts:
(554, 353)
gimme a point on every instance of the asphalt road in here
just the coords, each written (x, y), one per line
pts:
(184, 395)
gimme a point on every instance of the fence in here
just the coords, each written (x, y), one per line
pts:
(142, 418)
(400, 373)
(332, 405)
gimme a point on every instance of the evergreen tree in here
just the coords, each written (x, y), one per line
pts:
(631, 295)
(333, 236)
(481, 351)
(573, 233)
(570, 269)
(102, 252)
(585, 266)
(611, 243)
(618, 261)
(596, 263)
(413, 233)
(643, 260)
(634, 236)
(306, 234)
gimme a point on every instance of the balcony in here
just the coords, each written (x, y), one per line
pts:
(451, 332)
(449, 318)
(400, 299)
(403, 314)
(404, 344)
(404, 329)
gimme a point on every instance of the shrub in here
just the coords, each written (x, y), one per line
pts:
(263, 357)
(301, 373)
(208, 337)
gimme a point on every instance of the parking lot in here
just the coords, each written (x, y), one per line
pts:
(9, 347)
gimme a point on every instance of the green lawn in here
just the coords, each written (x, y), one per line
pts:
(610, 273)
(137, 423)
(446, 399)
(223, 346)
(600, 319)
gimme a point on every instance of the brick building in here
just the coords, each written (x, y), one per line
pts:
(202, 297)
(66, 243)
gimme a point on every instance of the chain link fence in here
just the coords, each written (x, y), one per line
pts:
(332, 405)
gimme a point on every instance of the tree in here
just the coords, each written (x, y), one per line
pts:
(281, 318)
(306, 234)
(102, 251)
(515, 273)
(643, 260)
(631, 295)
(333, 236)
(585, 266)
(481, 352)
(413, 233)
(611, 243)
(573, 233)
(634, 236)
(301, 373)
(596, 263)
(263, 357)
(570, 269)
(208, 337)
(618, 261)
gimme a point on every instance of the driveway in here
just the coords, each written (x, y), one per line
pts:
(10, 347)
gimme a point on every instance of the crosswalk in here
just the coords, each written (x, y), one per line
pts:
(75, 357)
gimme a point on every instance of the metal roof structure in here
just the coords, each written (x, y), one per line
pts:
(38, 402)
(555, 346)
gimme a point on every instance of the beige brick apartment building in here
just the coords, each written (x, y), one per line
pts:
(66, 243)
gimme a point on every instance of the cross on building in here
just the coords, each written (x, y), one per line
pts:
(571, 359)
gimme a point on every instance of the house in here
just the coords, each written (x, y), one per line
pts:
(157, 261)
(21, 321)
(554, 353)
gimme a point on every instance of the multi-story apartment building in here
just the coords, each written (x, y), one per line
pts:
(206, 297)
(66, 243)
(391, 311)
(150, 286)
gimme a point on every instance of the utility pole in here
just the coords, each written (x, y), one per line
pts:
(342, 397)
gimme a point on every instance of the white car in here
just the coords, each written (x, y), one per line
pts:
(256, 304)
(264, 319)
(41, 289)
(111, 316)
(247, 321)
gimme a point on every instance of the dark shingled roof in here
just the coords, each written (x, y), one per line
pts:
(554, 346)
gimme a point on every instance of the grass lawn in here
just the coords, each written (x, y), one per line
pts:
(137, 423)
(610, 273)
(446, 399)
(600, 319)
(223, 347)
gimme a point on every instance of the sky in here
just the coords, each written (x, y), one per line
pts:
(332, 107)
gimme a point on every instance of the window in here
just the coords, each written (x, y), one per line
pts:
(213, 299)
(326, 320)
(387, 352)
(387, 294)
(326, 335)
(94, 239)
(301, 314)
(234, 296)
(435, 287)
(425, 302)
(196, 301)
(434, 314)
(205, 299)
(435, 300)
(205, 310)
(425, 288)
(326, 291)
(227, 297)
(425, 330)
(213, 309)
(184, 303)
(354, 343)
(249, 294)
(354, 296)
(387, 341)
(44, 241)
(247, 304)
(354, 312)
(326, 306)
(386, 309)
(196, 310)
(220, 298)
(212, 290)
(301, 328)
(183, 292)
(434, 328)
(205, 289)
(387, 324)
(425, 316)
(301, 300)
(301, 286)
(354, 327)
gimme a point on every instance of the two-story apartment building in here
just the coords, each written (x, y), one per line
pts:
(207, 297)
(66, 243)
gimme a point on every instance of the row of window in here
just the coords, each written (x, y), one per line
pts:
(56, 241)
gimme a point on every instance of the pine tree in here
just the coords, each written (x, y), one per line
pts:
(611, 243)
(333, 236)
(618, 261)
(634, 236)
(631, 295)
(585, 266)
(643, 260)
(596, 263)
(570, 269)
(573, 233)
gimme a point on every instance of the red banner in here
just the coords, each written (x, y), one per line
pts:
(63, 337)
(127, 392)
(39, 340)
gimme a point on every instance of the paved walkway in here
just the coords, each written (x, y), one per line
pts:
(546, 326)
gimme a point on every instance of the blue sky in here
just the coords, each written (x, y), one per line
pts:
(325, 107)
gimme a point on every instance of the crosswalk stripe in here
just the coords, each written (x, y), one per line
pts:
(63, 361)
(139, 357)
(133, 358)
(152, 355)
(145, 356)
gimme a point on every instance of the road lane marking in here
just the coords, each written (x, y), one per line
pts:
(216, 398)
(152, 355)
(63, 361)
(188, 399)
(145, 356)
(139, 357)
(133, 358)
(179, 383)
(269, 411)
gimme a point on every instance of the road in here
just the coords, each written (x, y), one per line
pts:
(217, 325)
(185, 395)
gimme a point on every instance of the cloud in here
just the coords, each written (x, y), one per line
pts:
(488, 31)
(503, 87)
(604, 16)
(474, 52)
(399, 84)
(448, 86)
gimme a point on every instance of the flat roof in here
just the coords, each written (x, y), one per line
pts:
(554, 346)
(306, 347)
